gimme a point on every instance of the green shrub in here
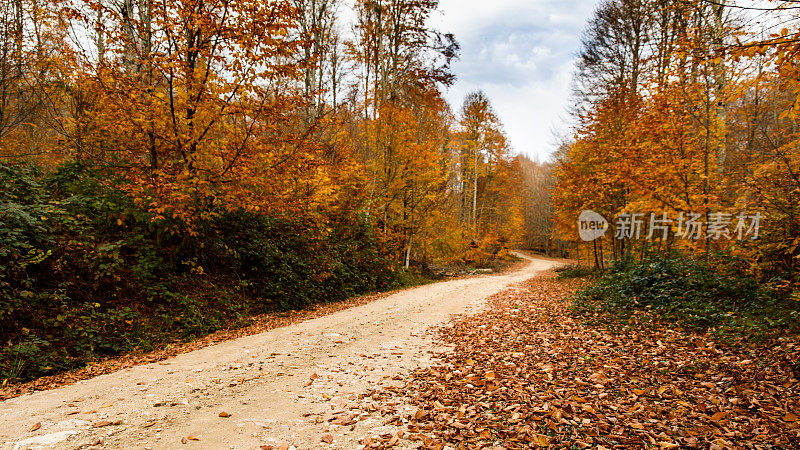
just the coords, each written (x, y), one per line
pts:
(86, 273)
(717, 292)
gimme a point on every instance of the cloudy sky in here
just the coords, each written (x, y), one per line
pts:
(521, 53)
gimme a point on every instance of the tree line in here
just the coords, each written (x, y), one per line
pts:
(687, 109)
(172, 167)
(273, 106)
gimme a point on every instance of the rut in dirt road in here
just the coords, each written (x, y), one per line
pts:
(296, 385)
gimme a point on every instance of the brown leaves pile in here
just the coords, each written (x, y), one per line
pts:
(528, 373)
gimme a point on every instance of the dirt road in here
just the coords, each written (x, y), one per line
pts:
(294, 386)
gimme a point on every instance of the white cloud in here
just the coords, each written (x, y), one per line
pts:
(521, 53)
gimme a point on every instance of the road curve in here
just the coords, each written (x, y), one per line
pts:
(282, 386)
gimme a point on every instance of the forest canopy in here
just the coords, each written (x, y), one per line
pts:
(169, 167)
(687, 109)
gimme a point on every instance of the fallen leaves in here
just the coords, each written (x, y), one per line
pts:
(541, 440)
(189, 438)
(345, 420)
(106, 423)
(311, 379)
(224, 414)
(384, 440)
(527, 372)
(283, 446)
(719, 416)
(36, 426)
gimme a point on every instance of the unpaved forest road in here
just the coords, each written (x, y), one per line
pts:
(262, 381)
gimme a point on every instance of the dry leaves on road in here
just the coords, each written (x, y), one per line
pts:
(106, 423)
(186, 439)
(528, 373)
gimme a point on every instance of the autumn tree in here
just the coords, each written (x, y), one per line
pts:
(537, 183)
(198, 107)
(651, 94)
(482, 146)
(763, 120)
(404, 127)
(31, 73)
(319, 35)
(198, 101)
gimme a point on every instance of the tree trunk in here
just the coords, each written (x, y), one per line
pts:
(720, 82)
(475, 188)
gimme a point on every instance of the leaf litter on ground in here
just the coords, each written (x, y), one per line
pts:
(528, 372)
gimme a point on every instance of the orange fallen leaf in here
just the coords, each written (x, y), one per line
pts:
(224, 414)
(36, 426)
(719, 416)
(790, 417)
(191, 437)
(328, 439)
(541, 440)
(105, 423)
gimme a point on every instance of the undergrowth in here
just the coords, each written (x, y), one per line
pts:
(85, 273)
(714, 293)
